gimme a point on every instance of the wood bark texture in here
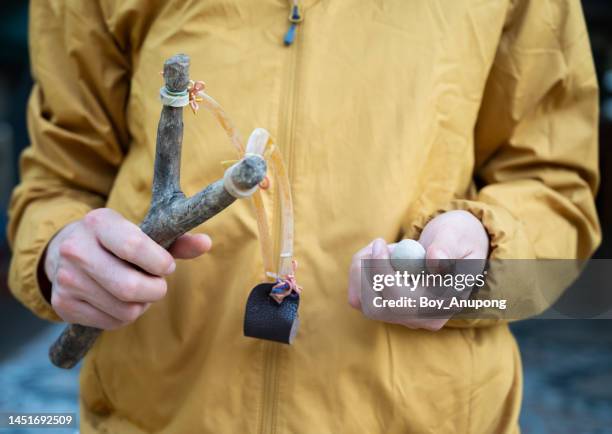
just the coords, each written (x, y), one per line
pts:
(171, 214)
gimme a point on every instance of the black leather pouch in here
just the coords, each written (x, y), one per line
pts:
(264, 318)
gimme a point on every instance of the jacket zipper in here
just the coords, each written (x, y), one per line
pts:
(286, 133)
(267, 423)
(295, 17)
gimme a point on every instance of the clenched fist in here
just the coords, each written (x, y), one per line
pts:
(105, 271)
(452, 235)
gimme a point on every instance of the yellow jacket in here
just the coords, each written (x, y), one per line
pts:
(387, 112)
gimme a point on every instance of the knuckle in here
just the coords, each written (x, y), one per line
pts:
(161, 287)
(132, 313)
(70, 249)
(60, 303)
(113, 325)
(65, 277)
(127, 290)
(131, 246)
(105, 322)
(156, 289)
(92, 218)
(165, 263)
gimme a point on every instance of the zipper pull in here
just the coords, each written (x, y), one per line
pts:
(295, 17)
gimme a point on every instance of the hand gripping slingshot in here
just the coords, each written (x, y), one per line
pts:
(271, 311)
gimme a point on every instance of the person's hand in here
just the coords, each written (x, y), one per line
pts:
(455, 235)
(105, 271)
(452, 235)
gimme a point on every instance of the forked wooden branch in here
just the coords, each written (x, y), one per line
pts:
(171, 214)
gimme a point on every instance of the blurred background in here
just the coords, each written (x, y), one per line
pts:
(567, 363)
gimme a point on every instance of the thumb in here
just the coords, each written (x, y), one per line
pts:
(189, 246)
(380, 249)
(380, 252)
(441, 252)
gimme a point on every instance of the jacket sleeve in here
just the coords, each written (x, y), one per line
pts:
(536, 141)
(78, 134)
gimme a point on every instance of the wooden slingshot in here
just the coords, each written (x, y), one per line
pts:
(171, 214)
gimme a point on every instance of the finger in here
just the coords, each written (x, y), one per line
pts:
(446, 244)
(115, 275)
(440, 260)
(128, 284)
(84, 288)
(478, 251)
(121, 279)
(354, 288)
(444, 247)
(76, 311)
(474, 263)
(380, 251)
(127, 241)
(364, 252)
(88, 315)
(190, 246)
(382, 265)
(378, 266)
(432, 324)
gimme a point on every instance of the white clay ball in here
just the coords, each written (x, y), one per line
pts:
(408, 255)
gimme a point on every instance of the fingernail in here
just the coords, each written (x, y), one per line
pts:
(171, 268)
(209, 240)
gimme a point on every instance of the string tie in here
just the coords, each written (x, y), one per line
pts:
(286, 285)
(194, 89)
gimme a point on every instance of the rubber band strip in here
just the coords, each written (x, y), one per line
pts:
(263, 228)
(270, 314)
(261, 143)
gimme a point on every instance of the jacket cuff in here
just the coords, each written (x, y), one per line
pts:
(507, 237)
(39, 224)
